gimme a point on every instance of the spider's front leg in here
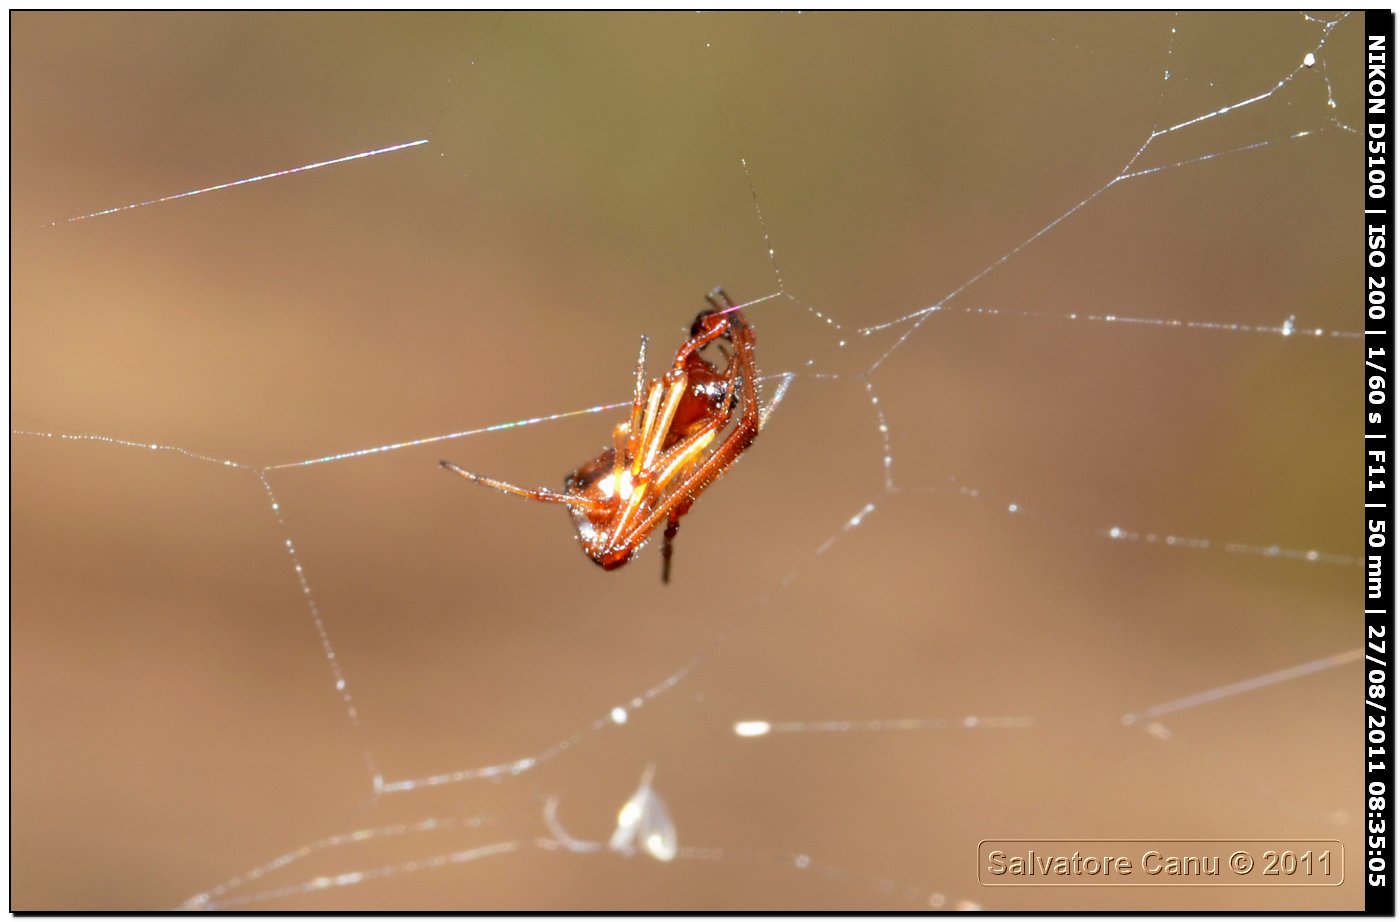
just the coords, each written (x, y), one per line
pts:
(719, 299)
(541, 495)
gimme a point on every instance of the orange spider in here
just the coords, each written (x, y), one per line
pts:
(669, 450)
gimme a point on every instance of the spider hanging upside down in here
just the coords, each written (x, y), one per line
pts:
(672, 447)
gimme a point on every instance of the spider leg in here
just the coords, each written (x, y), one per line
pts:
(541, 495)
(660, 412)
(675, 385)
(665, 470)
(655, 425)
(622, 434)
(639, 400)
(682, 455)
(734, 443)
(699, 341)
(719, 299)
(676, 460)
(641, 373)
(676, 503)
(673, 525)
(645, 436)
(642, 428)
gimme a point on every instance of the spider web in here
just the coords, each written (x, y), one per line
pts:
(1051, 534)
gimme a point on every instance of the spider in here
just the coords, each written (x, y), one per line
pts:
(669, 450)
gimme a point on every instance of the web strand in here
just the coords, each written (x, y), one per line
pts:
(241, 182)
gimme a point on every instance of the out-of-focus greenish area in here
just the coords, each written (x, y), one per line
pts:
(587, 179)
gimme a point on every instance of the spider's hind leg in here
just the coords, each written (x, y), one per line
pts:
(668, 537)
(673, 525)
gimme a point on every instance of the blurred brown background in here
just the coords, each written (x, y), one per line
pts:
(174, 720)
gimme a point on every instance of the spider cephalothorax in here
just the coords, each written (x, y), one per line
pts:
(677, 441)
